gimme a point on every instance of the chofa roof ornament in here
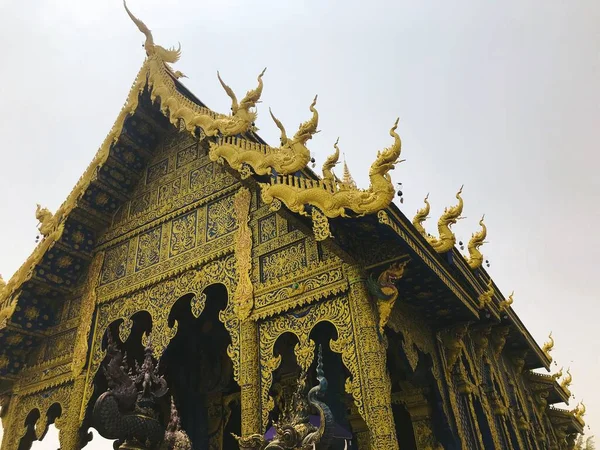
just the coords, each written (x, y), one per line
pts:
(158, 75)
(446, 240)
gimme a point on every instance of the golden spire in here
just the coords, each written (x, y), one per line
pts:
(486, 297)
(330, 163)
(477, 240)
(347, 179)
(567, 380)
(421, 216)
(506, 303)
(558, 374)
(171, 55)
(451, 215)
(548, 346)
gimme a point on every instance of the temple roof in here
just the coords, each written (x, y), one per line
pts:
(159, 102)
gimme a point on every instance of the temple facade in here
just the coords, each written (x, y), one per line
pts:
(202, 289)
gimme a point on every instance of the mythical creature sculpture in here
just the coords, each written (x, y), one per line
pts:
(567, 380)
(421, 216)
(486, 297)
(330, 163)
(548, 346)
(290, 157)
(171, 55)
(453, 341)
(475, 259)
(446, 241)
(294, 431)
(298, 193)
(129, 410)
(160, 77)
(506, 303)
(557, 375)
(386, 292)
(579, 411)
(2, 285)
(44, 216)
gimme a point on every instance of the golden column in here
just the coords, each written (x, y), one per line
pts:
(372, 392)
(250, 378)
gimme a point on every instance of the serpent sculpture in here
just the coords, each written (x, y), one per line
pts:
(129, 410)
(294, 431)
(290, 157)
(475, 259)
(158, 76)
(386, 292)
(446, 241)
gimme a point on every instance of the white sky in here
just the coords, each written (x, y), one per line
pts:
(502, 97)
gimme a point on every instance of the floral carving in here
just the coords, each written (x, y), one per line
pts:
(183, 234)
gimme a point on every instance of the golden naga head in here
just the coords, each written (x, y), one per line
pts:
(567, 380)
(305, 131)
(486, 297)
(452, 214)
(478, 238)
(331, 162)
(308, 128)
(549, 345)
(242, 109)
(388, 157)
(558, 374)
(171, 55)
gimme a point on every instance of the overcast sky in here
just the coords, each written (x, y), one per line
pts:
(503, 97)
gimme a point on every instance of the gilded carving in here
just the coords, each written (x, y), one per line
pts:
(220, 218)
(177, 107)
(485, 298)
(115, 263)
(446, 240)
(148, 250)
(548, 346)
(267, 228)
(453, 341)
(183, 234)
(386, 292)
(337, 200)
(291, 157)
(475, 259)
(287, 260)
(244, 292)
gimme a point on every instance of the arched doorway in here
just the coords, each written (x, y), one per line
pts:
(199, 372)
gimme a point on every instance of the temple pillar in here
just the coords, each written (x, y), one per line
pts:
(360, 431)
(372, 392)
(9, 409)
(250, 378)
(419, 410)
(69, 423)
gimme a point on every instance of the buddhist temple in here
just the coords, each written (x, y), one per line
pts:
(200, 288)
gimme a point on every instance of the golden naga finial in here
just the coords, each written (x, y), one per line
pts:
(421, 216)
(475, 259)
(171, 55)
(579, 410)
(44, 216)
(249, 101)
(558, 374)
(548, 346)
(486, 297)
(330, 201)
(2, 284)
(451, 215)
(506, 303)
(291, 157)
(567, 380)
(330, 163)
